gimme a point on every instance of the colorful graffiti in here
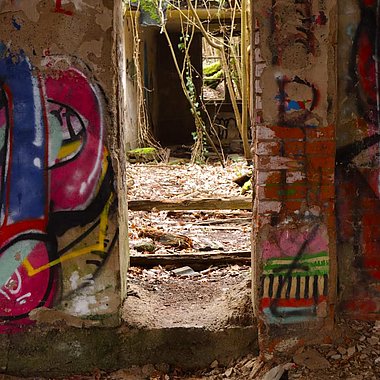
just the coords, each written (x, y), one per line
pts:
(296, 165)
(297, 35)
(295, 275)
(358, 170)
(55, 175)
(287, 103)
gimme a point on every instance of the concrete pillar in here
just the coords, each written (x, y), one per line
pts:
(131, 83)
(358, 164)
(294, 146)
(61, 113)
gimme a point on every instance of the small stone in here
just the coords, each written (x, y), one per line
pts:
(229, 371)
(331, 353)
(359, 347)
(351, 351)
(342, 350)
(362, 338)
(373, 340)
(214, 364)
(336, 357)
(311, 359)
(275, 373)
(185, 271)
(145, 247)
(377, 360)
(363, 356)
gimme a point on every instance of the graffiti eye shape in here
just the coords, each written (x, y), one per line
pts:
(67, 133)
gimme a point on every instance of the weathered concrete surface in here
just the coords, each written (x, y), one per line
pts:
(294, 146)
(60, 120)
(80, 350)
(358, 163)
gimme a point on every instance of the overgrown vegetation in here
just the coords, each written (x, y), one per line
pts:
(230, 67)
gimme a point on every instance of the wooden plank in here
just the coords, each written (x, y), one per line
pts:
(227, 220)
(197, 261)
(235, 203)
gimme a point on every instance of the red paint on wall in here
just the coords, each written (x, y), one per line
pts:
(59, 8)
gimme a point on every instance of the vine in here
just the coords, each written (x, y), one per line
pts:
(234, 69)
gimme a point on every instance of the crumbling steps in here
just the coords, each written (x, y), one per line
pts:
(64, 350)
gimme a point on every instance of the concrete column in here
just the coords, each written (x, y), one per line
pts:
(358, 163)
(61, 108)
(294, 146)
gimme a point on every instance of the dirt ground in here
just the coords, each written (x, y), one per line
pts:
(214, 297)
(218, 296)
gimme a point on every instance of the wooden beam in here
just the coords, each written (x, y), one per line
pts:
(237, 203)
(197, 261)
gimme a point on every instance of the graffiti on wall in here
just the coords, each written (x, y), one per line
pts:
(295, 110)
(358, 167)
(293, 25)
(55, 175)
(295, 280)
(297, 163)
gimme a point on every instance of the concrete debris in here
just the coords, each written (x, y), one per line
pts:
(312, 359)
(185, 271)
(277, 372)
(373, 340)
(229, 372)
(214, 364)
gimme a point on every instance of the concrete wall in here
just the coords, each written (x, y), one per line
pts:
(358, 165)
(149, 54)
(294, 233)
(58, 132)
(131, 84)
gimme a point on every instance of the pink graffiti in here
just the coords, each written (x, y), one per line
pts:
(74, 184)
(23, 293)
(287, 243)
(71, 127)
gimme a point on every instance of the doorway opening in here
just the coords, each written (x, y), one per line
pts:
(189, 224)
